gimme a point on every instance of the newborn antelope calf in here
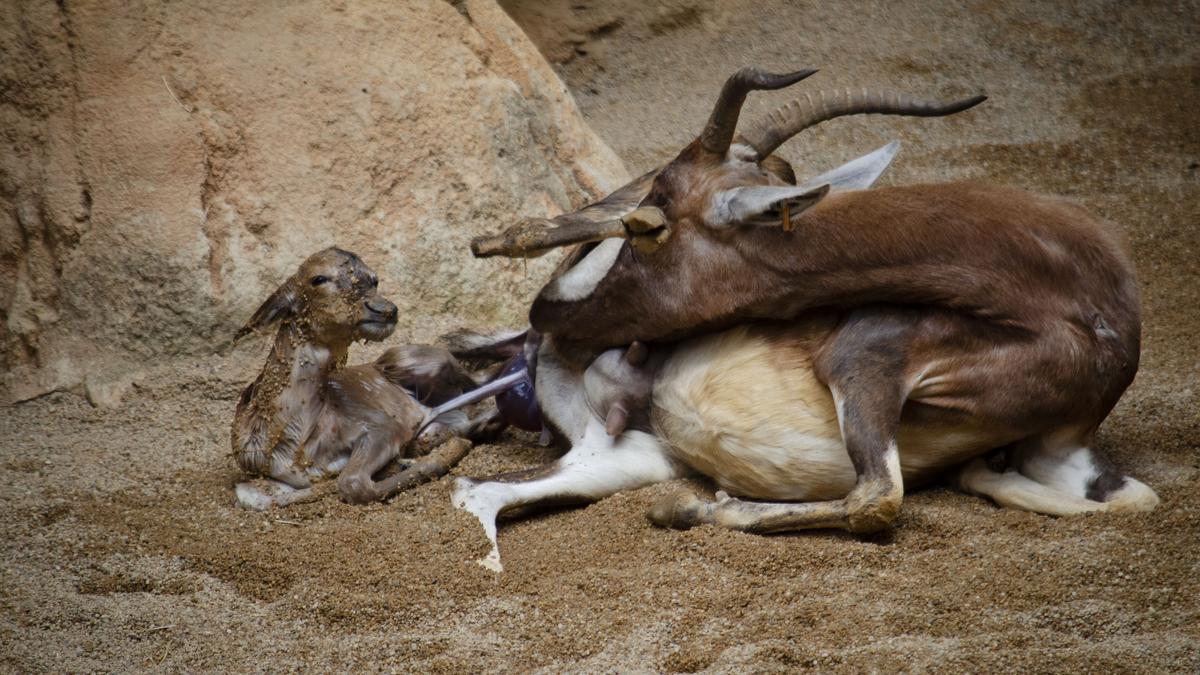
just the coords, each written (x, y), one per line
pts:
(307, 416)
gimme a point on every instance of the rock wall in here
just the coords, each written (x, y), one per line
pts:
(165, 165)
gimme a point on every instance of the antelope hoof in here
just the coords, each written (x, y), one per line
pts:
(484, 500)
(681, 510)
(872, 507)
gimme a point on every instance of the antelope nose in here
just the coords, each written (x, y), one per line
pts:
(383, 308)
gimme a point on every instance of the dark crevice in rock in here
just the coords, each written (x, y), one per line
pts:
(460, 6)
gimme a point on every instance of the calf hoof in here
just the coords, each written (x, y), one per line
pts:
(251, 498)
(261, 495)
(357, 489)
(681, 510)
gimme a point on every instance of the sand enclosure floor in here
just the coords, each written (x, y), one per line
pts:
(122, 548)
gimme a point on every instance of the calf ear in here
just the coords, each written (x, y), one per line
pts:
(281, 305)
(763, 205)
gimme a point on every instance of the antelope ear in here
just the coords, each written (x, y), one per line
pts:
(860, 173)
(281, 305)
(763, 205)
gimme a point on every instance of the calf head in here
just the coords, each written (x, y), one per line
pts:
(331, 300)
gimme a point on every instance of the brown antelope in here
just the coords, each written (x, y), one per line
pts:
(858, 341)
(308, 416)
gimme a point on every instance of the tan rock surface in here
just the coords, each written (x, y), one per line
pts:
(166, 164)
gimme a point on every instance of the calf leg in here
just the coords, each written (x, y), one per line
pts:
(598, 466)
(284, 484)
(263, 494)
(357, 483)
(432, 374)
(482, 427)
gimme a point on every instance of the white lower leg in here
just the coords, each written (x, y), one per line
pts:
(1065, 463)
(264, 494)
(1014, 490)
(598, 466)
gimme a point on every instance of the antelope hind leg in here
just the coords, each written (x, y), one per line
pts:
(1010, 489)
(1057, 474)
(596, 467)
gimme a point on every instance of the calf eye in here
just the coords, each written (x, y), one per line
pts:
(318, 280)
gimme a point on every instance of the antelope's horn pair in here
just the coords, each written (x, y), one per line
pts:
(809, 110)
(802, 113)
(607, 218)
(722, 123)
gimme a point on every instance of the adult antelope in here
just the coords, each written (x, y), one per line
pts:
(915, 330)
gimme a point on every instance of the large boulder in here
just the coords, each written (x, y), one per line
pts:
(165, 165)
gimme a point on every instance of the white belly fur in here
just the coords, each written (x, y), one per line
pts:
(753, 417)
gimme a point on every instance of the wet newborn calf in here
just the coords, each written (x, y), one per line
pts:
(307, 416)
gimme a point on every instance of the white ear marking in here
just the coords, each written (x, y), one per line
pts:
(745, 205)
(581, 280)
(860, 173)
(739, 206)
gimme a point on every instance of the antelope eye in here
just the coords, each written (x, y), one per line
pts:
(318, 280)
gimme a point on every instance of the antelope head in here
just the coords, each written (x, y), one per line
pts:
(683, 247)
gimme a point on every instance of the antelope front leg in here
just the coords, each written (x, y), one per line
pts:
(598, 466)
(872, 505)
(682, 510)
(863, 366)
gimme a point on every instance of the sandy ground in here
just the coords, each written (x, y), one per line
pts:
(122, 549)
